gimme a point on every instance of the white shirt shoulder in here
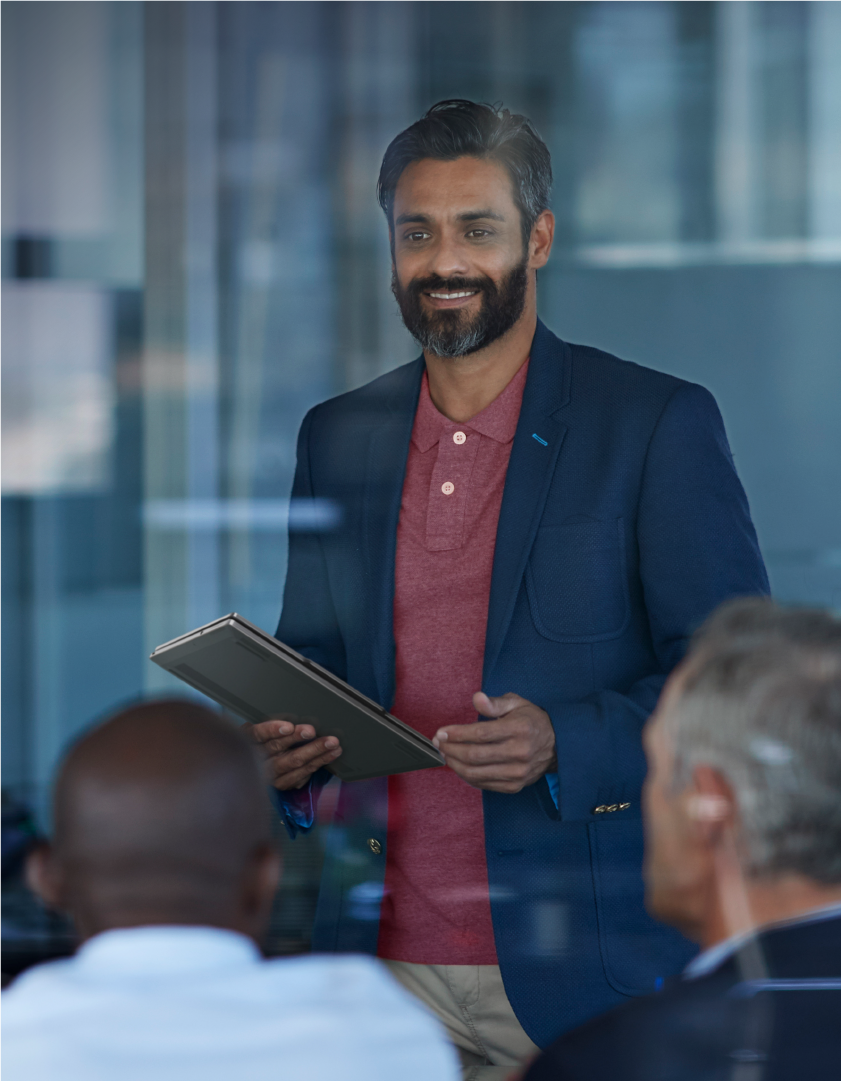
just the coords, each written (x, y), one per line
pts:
(191, 1008)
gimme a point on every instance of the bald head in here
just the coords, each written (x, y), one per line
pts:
(161, 816)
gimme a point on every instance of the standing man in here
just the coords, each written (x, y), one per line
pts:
(530, 531)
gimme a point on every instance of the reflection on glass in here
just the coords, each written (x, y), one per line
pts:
(193, 256)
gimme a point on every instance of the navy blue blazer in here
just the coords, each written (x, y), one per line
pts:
(623, 525)
(774, 1006)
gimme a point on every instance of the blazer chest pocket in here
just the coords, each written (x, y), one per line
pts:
(576, 580)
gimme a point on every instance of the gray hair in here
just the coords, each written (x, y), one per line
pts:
(761, 703)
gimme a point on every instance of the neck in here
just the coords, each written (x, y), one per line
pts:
(745, 904)
(461, 387)
(91, 919)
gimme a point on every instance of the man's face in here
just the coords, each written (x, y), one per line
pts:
(460, 266)
(679, 863)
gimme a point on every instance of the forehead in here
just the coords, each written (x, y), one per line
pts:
(444, 188)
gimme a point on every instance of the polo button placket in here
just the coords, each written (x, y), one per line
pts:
(450, 488)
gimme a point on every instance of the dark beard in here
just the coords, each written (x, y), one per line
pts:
(454, 333)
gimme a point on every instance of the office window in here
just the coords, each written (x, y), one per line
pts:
(193, 256)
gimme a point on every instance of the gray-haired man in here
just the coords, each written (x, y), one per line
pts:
(743, 854)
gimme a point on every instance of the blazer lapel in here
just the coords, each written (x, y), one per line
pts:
(531, 466)
(388, 450)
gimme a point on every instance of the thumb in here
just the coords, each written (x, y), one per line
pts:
(486, 706)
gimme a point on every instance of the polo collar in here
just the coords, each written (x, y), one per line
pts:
(498, 421)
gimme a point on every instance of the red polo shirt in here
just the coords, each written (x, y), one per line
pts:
(436, 908)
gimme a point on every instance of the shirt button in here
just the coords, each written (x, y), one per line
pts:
(459, 437)
(448, 487)
(375, 845)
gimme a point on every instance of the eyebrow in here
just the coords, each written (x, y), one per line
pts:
(469, 215)
(477, 215)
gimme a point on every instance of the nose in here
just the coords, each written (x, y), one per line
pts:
(449, 259)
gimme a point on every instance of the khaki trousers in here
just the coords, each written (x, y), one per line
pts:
(471, 1003)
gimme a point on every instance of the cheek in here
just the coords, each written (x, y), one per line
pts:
(663, 837)
(407, 265)
(652, 799)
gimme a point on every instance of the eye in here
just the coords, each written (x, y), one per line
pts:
(479, 233)
(416, 236)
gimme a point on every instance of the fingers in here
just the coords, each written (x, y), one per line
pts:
(293, 754)
(293, 768)
(296, 776)
(503, 755)
(486, 706)
(499, 777)
(269, 730)
(515, 751)
(275, 737)
(481, 731)
(501, 774)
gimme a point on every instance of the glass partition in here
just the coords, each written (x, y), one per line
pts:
(193, 255)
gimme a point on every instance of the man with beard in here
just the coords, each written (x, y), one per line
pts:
(530, 531)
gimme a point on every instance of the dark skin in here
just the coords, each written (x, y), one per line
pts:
(456, 219)
(160, 817)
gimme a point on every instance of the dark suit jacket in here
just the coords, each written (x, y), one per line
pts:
(623, 525)
(785, 1021)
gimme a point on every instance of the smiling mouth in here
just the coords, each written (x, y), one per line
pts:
(453, 296)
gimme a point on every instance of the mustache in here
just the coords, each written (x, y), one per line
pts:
(434, 283)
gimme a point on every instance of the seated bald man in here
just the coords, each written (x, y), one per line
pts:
(743, 854)
(163, 856)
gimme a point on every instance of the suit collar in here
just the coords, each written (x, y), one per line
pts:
(714, 958)
(388, 449)
(537, 444)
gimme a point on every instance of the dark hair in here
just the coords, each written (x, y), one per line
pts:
(458, 128)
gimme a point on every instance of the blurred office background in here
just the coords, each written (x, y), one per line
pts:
(193, 255)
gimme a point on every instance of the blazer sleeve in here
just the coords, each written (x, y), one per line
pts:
(697, 548)
(308, 624)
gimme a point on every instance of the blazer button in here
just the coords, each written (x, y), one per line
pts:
(375, 845)
(607, 808)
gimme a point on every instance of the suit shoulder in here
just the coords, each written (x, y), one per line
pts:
(606, 1044)
(628, 380)
(383, 392)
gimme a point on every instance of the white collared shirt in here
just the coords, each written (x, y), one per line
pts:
(200, 1004)
(716, 955)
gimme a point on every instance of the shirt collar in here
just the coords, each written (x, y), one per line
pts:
(498, 420)
(716, 955)
(156, 949)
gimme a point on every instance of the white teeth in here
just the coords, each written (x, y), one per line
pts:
(452, 296)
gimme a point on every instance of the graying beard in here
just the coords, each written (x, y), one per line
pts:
(450, 348)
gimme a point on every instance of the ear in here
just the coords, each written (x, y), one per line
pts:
(42, 876)
(263, 879)
(711, 803)
(540, 242)
(269, 870)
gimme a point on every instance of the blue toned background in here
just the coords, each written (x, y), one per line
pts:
(193, 255)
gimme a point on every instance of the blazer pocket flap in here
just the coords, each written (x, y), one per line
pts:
(576, 580)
